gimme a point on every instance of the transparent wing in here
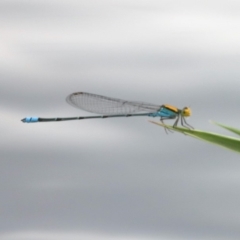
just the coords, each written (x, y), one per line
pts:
(106, 105)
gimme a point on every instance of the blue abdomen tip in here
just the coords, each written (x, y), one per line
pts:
(30, 120)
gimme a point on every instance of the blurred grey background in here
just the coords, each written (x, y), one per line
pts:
(117, 179)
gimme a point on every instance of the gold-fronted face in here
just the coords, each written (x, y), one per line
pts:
(186, 112)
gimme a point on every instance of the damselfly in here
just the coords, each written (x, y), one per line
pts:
(113, 107)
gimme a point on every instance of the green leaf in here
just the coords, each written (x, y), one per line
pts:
(234, 130)
(221, 140)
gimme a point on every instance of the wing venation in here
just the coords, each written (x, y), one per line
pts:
(105, 105)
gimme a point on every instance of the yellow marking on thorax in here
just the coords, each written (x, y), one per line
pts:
(172, 108)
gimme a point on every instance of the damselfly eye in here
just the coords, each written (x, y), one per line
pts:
(186, 112)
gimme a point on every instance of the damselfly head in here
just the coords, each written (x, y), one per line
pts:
(186, 112)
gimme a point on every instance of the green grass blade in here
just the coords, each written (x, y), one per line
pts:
(221, 140)
(234, 130)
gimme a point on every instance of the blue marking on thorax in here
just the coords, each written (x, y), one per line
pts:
(164, 112)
